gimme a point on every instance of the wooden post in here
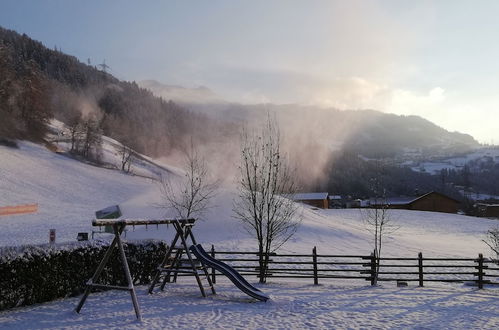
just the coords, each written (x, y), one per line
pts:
(92, 283)
(420, 267)
(480, 271)
(314, 258)
(213, 276)
(373, 268)
(97, 273)
(128, 276)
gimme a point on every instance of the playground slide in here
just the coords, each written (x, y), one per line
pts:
(228, 271)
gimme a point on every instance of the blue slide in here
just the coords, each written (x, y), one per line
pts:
(228, 271)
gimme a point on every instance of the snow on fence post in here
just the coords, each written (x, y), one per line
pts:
(213, 276)
(314, 258)
(480, 270)
(420, 268)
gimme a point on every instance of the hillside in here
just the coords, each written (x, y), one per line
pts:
(68, 193)
(39, 83)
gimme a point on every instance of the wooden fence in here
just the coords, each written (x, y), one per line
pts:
(364, 267)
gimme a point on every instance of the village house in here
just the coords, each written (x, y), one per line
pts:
(488, 210)
(335, 201)
(432, 201)
(316, 199)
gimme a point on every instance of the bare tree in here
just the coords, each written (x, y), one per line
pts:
(91, 143)
(126, 154)
(377, 217)
(192, 194)
(266, 187)
(75, 130)
(492, 241)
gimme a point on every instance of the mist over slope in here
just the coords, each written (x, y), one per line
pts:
(68, 193)
(318, 141)
(369, 132)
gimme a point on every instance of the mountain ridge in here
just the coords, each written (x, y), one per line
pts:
(375, 128)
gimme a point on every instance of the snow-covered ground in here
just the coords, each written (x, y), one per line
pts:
(293, 305)
(455, 163)
(68, 192)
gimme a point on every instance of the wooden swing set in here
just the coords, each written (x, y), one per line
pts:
(172, 264)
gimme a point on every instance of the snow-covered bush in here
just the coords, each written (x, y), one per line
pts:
(35, 274)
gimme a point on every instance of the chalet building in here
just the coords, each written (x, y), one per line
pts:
(488, 210)
(432, 201)
(318, 199)
(335, 201)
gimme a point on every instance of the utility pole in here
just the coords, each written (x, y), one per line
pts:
(104, 66)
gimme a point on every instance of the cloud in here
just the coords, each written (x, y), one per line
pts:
(409, 102)
(351, 93)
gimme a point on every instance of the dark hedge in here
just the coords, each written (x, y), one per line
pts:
(30, 275)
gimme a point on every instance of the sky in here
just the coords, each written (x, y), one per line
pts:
(436, 59)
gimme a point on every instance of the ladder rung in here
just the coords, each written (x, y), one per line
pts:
(165, 267)
(187, 263)
(186, 271)
(105, 286)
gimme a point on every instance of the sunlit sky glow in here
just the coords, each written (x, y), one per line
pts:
(437, 59)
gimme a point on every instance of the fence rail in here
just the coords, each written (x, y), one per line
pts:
(317, 266)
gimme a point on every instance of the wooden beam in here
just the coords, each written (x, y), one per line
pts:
(139, 222)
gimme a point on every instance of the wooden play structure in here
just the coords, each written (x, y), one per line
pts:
(172, 264)
(183, 256)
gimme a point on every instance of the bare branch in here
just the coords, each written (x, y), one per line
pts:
(492, 240)
(190, 195)
(265, 185)
(377, 217)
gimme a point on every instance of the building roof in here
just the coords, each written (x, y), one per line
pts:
(437, 193)
(392, 201)
(488, 205)
(310, 196)
(404, 200)
(334, 197)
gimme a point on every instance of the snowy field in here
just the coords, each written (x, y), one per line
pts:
(293, 305)
(68, 192)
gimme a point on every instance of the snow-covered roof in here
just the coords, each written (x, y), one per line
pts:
(334, 197)
(310, 196)
(391, 201)
(488, 205)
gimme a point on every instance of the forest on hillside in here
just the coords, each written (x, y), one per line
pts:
(39, 84)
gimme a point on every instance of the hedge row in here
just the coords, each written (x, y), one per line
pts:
(30, 275)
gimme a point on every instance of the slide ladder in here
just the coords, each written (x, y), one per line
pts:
(175, 263)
